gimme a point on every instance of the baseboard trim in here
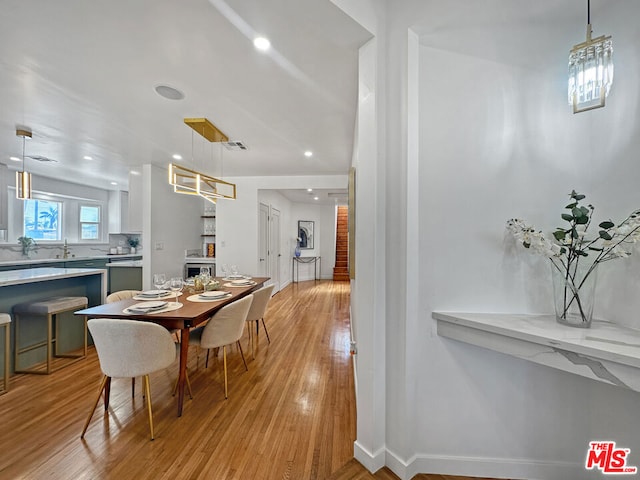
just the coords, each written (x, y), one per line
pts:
(484, 467)
(371, 461)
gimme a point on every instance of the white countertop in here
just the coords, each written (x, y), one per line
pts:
(33, 275)
(125, 263)
(199, 260)
(70, 259)
(605, 352)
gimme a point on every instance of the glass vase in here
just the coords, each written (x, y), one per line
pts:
(296, 252)
(574, 293)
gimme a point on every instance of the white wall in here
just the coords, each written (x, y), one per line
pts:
(275, 200)
(324, 218)
(237, 220)
(492, 140)
(169, 219)
(368, 290)
(73, 195)
(521, 156)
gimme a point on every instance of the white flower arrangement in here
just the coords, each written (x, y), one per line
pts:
(572, 245)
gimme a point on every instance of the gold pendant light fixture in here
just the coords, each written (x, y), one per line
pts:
(590, 70)
(192, 182)
(23, 179)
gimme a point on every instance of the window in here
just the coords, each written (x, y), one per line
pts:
(42, 219)
(89, 222)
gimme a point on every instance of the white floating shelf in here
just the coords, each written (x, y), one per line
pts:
(606, 352)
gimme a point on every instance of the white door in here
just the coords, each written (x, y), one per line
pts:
(263, 241)
(274, 248)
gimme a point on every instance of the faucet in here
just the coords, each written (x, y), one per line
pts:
(65, 249)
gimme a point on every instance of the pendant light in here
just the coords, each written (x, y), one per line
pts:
(590, 70)
(23, 179)
(192, 182)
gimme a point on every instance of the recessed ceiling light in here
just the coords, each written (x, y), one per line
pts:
(309, 190)
(261, 43)
(169, 92)
(308, 153)
(315, 198)
(134, 172)
(114, 183)
(15, 159)
(87, 157)
(177, 156)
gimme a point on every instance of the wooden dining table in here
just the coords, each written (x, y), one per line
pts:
(190, 315)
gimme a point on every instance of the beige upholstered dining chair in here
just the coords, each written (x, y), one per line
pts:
(116, 297)
(261, 299)
(224, 328)
(122, 295)
(129, 348)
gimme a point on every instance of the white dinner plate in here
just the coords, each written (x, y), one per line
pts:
(148, 306)
(153, 293)
(242, 282)
(214, 294)
(240, 285)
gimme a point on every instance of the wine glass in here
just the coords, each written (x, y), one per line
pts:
(234, 270)
(225, 270)
(205, 275)
(176, 285)
(159, 281)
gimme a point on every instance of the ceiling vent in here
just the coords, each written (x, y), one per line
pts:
(235, 145)
(40, 158)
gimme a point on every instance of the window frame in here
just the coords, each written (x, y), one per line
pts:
(59, 219)
(98, 224)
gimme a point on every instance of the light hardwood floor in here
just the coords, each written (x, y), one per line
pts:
(291, 416)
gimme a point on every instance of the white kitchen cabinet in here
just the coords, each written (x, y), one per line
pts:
(135, 203)
(125, 208)
(119, 212)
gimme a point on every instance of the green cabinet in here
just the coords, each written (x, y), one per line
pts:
(86, 263)
(47, 265)
(124, 278)
(4, 268)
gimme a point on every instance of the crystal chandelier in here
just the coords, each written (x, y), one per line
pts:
(590, 71)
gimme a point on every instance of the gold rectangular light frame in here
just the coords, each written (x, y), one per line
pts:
(207, 129)
(191, 182)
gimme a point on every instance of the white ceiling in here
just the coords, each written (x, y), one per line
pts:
(318, 196)
(81, 75)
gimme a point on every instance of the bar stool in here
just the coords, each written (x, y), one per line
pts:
(5, 321)
(50, 307)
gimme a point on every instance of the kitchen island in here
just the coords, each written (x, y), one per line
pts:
(26, 285)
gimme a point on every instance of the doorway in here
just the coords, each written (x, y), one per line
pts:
(263, 240)
(269, 242)
(274, 247)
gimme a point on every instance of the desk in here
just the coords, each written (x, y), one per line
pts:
(190, 315)
(295, 265)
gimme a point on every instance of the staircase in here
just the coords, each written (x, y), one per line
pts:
(341, 270)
